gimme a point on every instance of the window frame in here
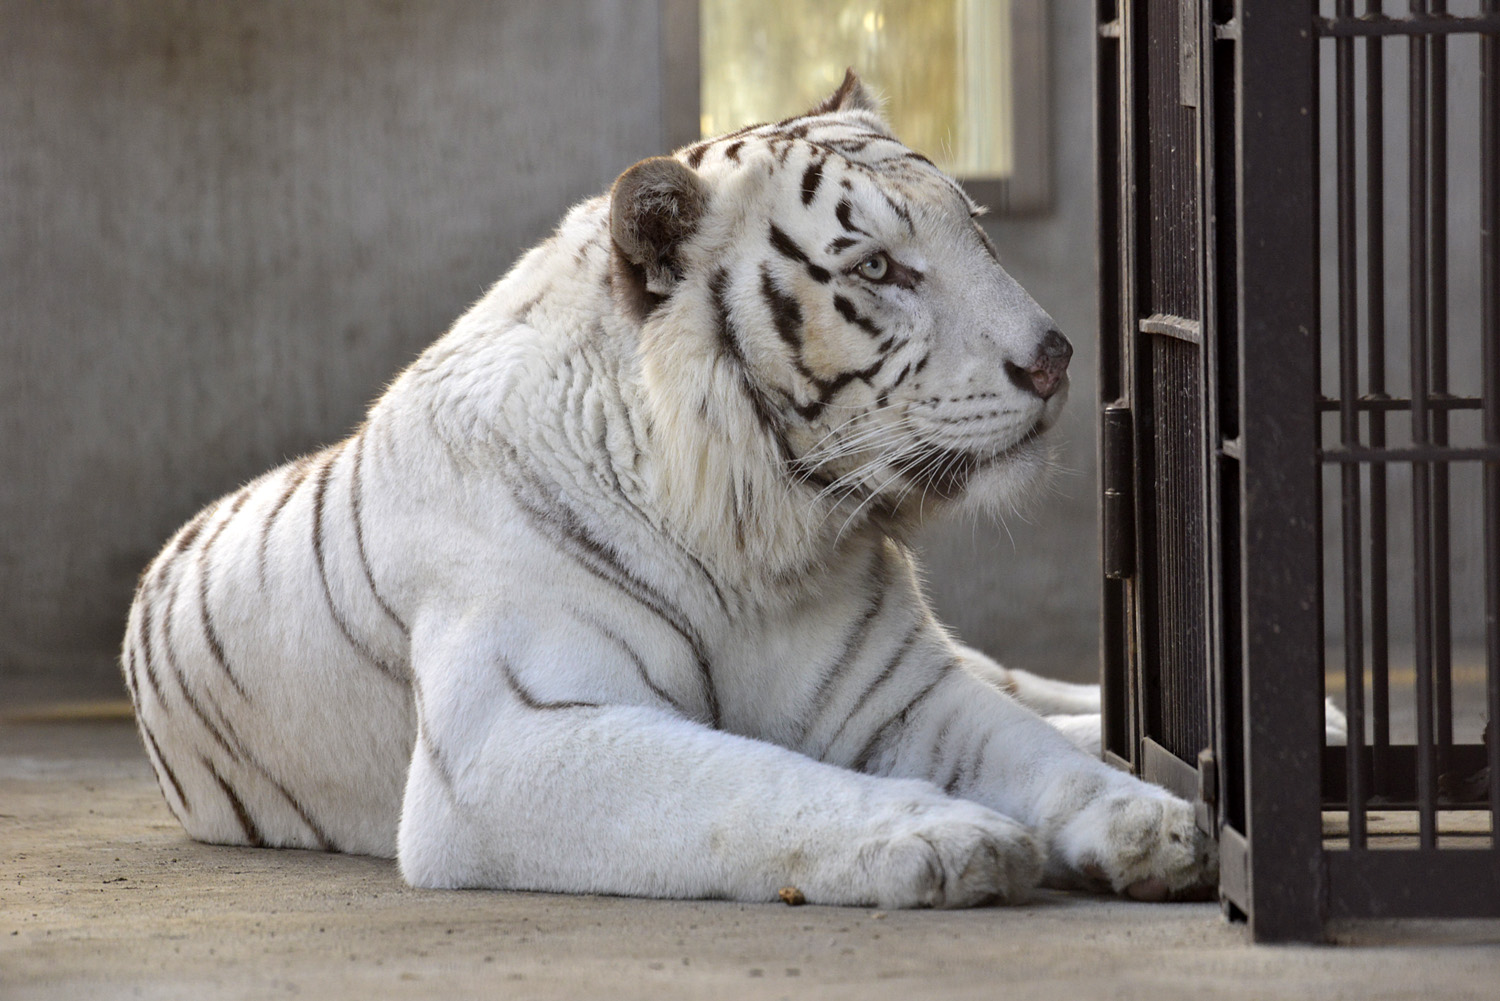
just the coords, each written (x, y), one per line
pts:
(1027, 191)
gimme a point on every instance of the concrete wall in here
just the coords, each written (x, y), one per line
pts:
(224, 226)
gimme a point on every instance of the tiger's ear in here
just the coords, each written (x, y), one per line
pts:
(852, 95)
(654, 207)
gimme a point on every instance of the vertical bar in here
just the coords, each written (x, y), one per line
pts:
(1350, 523)
(1380, 635)
(1280, 577)
(1421, 481)
(1442, 618)
(1489, 325)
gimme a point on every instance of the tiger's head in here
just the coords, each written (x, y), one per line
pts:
(828, 338)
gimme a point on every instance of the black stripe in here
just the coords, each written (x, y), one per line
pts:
(878, 581)
(885, 675)
(559, 523)
(356, 490)
(901, 212)
(840, 244)
(531, 701)
(319, 492)
(299, 472)
(609, 466)
(973, 763)
(695, 155)
(175, 666)
(425, 741)
(811, 178)
(632, 655)
(850, 314)
(939, 745)
(770, 421)
(247, 825)
(883, 732)
(127, 665)
(226, 739)
(732, 151)
(191, 530)
(787, 247)
(786, 314)
(210, 632)
(841, 212)
(146, 658)
(164, 769)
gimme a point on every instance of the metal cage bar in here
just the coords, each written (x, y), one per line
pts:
(1281, 635)
(1349, 474)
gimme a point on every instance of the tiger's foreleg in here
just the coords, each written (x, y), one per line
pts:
(1098, 825)
(514, 787)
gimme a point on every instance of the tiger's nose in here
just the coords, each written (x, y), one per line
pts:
(1046, 372)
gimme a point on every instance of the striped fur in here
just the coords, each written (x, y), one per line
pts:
(610, 593)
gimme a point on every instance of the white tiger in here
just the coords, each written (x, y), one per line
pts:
(610, 592)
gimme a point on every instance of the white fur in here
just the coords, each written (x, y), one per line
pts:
(560, 617)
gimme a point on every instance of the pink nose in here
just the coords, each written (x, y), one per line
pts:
(1047, 370)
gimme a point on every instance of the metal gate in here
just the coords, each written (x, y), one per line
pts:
(1299, 376)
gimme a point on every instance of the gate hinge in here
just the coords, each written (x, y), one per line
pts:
(1208, 792)
(1117, 448)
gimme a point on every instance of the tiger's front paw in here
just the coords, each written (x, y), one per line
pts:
(955, 854)
(1145, 846)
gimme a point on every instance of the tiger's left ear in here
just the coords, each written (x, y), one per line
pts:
(654, 207)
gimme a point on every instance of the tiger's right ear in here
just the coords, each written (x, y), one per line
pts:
(654, 207)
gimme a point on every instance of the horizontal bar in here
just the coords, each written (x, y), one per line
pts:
(1167, 325)
(1167, 770)
(1453, 883)
(1418, 24)
(1398, 789)
(1383, 403)
(1418, 453)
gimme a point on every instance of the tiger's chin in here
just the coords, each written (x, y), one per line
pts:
(994, 483)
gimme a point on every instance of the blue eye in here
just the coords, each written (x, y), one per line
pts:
(874, 268)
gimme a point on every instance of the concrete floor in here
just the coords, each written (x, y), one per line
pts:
(102, 896)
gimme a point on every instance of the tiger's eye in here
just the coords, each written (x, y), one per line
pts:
(874, 268)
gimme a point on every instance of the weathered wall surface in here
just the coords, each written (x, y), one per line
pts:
(223, 227)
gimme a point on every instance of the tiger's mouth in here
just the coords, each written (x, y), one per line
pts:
(946, 472)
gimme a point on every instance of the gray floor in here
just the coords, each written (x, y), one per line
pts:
(101, 896)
